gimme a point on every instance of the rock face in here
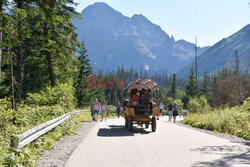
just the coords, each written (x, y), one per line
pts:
(113, 40)
(222, 54)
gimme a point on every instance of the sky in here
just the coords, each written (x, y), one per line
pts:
(209, 20)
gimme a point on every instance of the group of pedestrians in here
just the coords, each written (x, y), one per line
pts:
(97, 107)
(172, 111)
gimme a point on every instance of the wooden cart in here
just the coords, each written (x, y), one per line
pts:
(141, 114)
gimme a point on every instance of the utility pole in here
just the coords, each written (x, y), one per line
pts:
(196, 60)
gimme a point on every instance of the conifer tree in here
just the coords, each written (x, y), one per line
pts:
(83, 95)
(205, 85)
(191, 88)
(173, 87)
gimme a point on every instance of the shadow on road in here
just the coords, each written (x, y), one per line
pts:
(230, 157)
(119, 131)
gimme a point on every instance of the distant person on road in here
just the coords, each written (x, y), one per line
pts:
(175, 111)
(96, 108)
(118, 109)
(104, 110)
(170, 111)
(161, 108)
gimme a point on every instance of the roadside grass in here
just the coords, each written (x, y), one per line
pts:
(86, 116)
(234, 121)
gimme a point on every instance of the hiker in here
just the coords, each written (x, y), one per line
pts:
(104, 110)
(96, 108)
(92, 113)
(161, 109)
(170, 111)
(175, 111)
(118, 109)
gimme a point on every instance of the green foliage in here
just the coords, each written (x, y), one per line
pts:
(205, 85)
(191, 88)
(200, 104)
(83, 95)
(172, 92)
(61, 94)
(180, 104)
(37, 110)
(235, 121)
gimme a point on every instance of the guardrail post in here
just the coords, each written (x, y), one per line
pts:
(14, 141)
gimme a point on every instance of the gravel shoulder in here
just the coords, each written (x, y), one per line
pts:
(58, 156)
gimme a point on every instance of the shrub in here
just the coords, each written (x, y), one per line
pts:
(38, 108)
(198, 105)
(235, 121)
(61, 94)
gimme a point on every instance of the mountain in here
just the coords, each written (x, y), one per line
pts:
(114, 40)
(222, 54)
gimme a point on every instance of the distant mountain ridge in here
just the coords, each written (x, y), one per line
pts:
(222, 54)
(114, 40)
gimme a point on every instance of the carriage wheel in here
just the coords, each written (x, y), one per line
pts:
(130, 124)
(153, 124)
(126, 123)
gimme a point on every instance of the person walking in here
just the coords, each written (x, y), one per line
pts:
(170, 111)
(161, 109)
(118, 109)
(104, 110)
(175, 111)
(96, 108)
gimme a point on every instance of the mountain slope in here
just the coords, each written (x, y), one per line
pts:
(223, 53)
(113, 40)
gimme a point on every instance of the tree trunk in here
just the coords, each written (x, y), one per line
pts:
(20, 54)
(49, 58)
(1, 39)
(12, 82)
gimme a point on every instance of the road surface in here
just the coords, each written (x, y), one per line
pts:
(110, 144)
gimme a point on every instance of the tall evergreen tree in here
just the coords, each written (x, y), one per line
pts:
(2, 5)
(205, 85)
(173, 87)
(83, 95)
(191, 88)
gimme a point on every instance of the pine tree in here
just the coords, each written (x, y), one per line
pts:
(191, 88)
(173, 87)
(83, 95)
(205, 85)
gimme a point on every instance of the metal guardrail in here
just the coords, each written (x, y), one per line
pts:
(32, 134)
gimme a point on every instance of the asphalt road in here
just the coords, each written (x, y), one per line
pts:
(110, 144)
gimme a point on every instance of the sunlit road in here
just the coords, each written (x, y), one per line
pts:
(110, 144)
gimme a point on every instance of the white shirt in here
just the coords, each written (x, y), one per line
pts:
(161, 106)
(104, 107)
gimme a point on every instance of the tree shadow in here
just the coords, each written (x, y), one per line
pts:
(231, 156)
(119, 131)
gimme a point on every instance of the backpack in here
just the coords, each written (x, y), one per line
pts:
(176, 107)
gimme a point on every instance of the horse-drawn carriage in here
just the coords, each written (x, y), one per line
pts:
(141, 114)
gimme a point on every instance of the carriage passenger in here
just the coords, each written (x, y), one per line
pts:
(148, 100)
(142, 93)
(134, 97)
